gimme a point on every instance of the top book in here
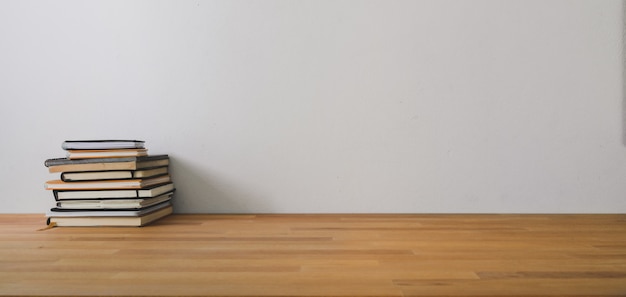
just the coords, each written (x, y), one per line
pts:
(102, 144)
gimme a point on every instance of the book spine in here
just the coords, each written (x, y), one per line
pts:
(120, 175)
(58, 195)
(93, 167)
(66, 161)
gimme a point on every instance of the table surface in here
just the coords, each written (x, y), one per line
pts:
(319, 255)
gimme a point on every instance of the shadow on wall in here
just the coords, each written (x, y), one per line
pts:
(199, 191)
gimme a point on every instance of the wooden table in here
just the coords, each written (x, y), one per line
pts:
(319, 255)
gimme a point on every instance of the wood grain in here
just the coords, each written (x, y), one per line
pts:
(319, 255)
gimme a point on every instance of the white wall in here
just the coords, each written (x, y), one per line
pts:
(326, 106)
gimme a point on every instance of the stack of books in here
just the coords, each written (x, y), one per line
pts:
(109, 183)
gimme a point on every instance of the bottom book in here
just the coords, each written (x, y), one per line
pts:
(113, 218)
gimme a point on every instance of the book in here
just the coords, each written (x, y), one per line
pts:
(105, 164)
(147, 192)
(108, 220)
(124, 204)
(117, 153)
(58, 212)
(102, 144)
(113, 174)
(139, 183)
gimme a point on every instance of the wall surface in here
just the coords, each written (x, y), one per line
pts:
(326, 106)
